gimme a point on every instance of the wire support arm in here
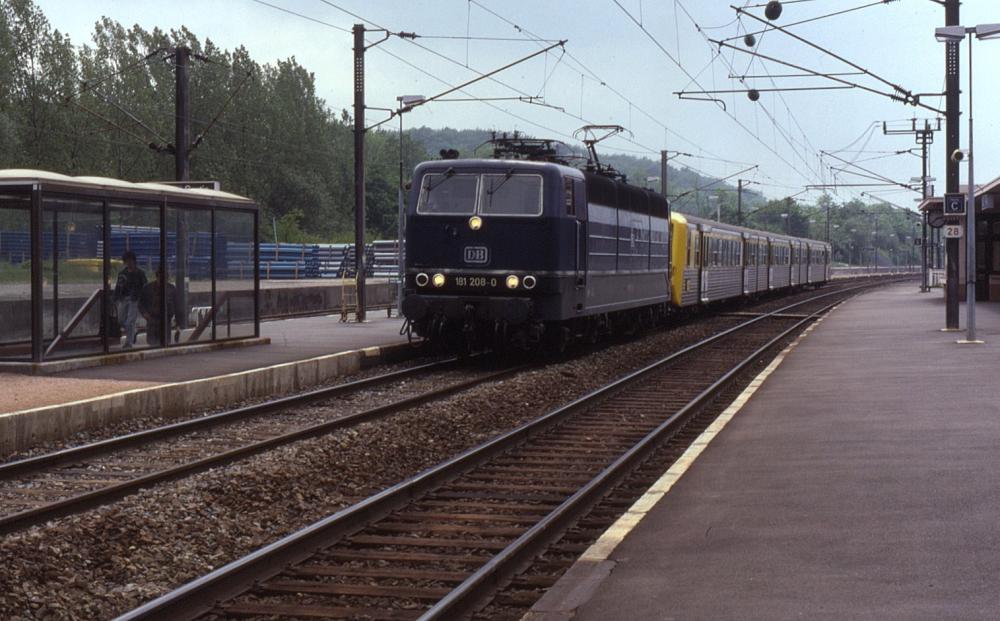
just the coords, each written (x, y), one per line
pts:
(463, 85)
(875, 91)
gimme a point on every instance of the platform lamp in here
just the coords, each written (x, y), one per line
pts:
(955, 34)
(714, 198)
(406, 103)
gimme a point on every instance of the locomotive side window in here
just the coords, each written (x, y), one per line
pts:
(511, 195)
(448, 194)
(570, 196)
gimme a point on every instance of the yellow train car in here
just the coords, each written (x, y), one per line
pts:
(685, 261)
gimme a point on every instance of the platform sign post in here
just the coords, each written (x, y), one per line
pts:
(954, 204)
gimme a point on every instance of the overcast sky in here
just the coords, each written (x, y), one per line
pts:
(783, 133)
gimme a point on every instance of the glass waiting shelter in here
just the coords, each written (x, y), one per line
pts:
(93, 266)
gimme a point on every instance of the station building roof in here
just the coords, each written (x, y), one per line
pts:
(105, 185)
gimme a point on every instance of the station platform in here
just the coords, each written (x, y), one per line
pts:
(857, 482)
(302, 352)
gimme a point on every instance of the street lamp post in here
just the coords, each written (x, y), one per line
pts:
(954, 34)
(714, 198)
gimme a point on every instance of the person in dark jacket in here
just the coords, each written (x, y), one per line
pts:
(151, 307)
(128, 289)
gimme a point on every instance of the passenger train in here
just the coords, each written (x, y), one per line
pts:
(502, 252)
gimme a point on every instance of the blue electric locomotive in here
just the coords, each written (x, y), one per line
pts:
(502, 251)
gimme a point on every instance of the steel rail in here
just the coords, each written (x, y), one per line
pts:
(201, 595)
(104, 495)
(97, 497)
(464, 598)
(38, 462)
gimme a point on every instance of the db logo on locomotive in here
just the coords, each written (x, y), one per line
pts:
(477, 254)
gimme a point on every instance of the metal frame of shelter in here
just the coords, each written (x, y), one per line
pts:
(69, 229)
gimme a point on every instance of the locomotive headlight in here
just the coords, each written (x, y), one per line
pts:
(438, 280)
(475, 223)
(529, 282)
(512, 281)
(422, 279)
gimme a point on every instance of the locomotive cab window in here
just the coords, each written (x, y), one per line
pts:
(569, 196)
(448, 194)
(511, 195)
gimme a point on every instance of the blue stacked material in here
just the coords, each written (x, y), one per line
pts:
(233, 259)
(383, 258)
(331, 258)
(348, 267)
(283, 261)
(15, 246)
(144, 241)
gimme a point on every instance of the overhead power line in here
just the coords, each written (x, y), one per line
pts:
(770, 116)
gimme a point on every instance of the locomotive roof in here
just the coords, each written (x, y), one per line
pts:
(500, 164)
(712, 224)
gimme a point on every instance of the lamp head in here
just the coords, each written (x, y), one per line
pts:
(949, 34)
(988, 31)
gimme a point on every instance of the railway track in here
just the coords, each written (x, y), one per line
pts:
(440, 544)
(44, 487)
(52, 485)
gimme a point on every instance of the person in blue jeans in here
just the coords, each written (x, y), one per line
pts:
(128, 289)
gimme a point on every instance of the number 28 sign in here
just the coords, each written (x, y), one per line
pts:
(952, 231)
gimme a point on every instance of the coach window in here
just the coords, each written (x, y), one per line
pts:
(511, 195)
(448, 194)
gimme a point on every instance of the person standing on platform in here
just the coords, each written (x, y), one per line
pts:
(151, 307)
(128, 289)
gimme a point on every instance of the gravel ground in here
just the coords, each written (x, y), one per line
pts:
(20, 493)
(104, 562)
(149, 422)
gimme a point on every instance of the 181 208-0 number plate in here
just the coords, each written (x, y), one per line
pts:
(476, 282)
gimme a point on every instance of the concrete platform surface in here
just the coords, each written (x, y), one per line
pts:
(291, 340)
(303, 353)
(859, 482)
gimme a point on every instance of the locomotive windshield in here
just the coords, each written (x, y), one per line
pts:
(511, 195)
(494, 194)
(448, 194)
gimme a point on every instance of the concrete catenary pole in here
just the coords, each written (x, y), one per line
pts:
(182, 172)
(952, 92)
(359, 168)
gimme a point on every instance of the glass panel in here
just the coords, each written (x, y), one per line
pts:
(189, 258)
(73, 277)
(234, 276)
(15, 276)
(511, 195)
(448, 194)
(135, 235)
